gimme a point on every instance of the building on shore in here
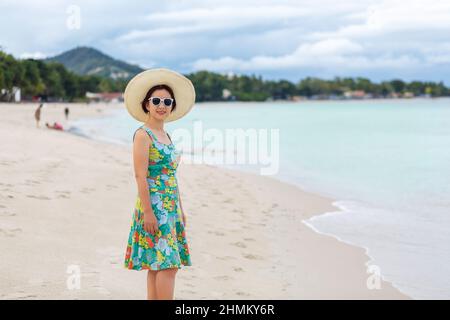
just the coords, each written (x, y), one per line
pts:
(13, 95)
(104, 96)
(356, 94)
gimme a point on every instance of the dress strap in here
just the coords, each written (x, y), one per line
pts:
(150, 133)
(146, 130)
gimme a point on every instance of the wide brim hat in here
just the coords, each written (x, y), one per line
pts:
(138, 86)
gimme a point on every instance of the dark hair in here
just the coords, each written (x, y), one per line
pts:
(153, 89)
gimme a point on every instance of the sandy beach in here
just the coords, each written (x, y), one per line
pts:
(68, 201)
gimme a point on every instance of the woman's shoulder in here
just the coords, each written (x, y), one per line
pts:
(141, 134)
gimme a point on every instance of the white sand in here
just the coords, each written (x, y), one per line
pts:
(67, 200)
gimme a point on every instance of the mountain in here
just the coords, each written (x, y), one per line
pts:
(90, 61)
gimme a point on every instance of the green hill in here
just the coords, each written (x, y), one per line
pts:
(90, 61)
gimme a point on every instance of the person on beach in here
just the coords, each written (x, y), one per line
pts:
(66, 112)
(157, 239)
(37, 114)
(56, 126)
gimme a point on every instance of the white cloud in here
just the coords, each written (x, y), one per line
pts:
(395, 16)
(340, 53)
(33, 55)
(391, 35)
(277, 37)
(199, 20)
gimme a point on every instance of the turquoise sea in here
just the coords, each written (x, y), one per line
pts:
(386, 162)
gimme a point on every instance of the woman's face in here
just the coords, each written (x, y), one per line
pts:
(159, 112)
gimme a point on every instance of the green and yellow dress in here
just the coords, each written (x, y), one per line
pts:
(168, 247)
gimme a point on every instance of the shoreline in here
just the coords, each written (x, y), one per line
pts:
(332, 201)
(261, 270)
(333, 208)
(370, 260)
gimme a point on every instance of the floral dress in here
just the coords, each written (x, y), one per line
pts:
(168, 247)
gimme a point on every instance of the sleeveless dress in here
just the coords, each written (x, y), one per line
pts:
(168, 247)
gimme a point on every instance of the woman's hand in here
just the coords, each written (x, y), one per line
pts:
(150, 222)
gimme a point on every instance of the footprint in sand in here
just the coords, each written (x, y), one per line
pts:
(38, 197)
(9, 231)
(217, 233)
(29, 182)
(87, 190)
(224, 277)
(18, 296)
(238, 269)
(252, 256)
(63, 194)
(226, 258)
(240, 293)
(6, 184)
(188, 291)
(261, 224)
(229, 200)
(239, 244)
(6, 213)
(7, 163)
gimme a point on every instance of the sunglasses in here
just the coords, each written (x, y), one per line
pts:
(156, 101)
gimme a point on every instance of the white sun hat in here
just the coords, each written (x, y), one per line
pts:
(138, 86)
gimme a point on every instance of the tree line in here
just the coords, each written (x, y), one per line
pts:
(53, 80)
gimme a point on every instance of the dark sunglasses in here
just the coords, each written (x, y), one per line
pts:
(156, 101)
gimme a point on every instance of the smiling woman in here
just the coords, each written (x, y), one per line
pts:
(157, 240)
(156, 101)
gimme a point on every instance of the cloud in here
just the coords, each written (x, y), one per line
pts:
(199, 20)
(341, 53)
(276, 38)
(33, 55)
(392, 36)
(394, 17)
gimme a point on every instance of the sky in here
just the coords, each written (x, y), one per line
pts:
(379, 40)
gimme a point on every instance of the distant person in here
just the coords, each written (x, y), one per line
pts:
(66, 112)
(56, 126)
(37, 114)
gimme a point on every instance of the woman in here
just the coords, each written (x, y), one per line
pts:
(157, 240)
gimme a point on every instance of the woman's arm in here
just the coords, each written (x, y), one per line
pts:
(141, 145)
